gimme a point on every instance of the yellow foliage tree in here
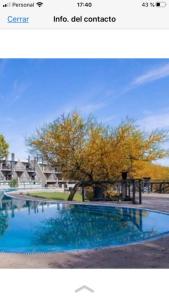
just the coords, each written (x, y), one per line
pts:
(86, 150)
(3, 147)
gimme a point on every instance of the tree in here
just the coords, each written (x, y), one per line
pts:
(4, 147)
(13, 183)
(86, 150)
(135, 148)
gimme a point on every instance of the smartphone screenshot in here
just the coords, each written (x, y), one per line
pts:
(84, 149)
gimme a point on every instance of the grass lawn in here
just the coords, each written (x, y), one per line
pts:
(55, 195)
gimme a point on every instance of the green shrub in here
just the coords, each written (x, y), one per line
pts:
(89, 195)
(13, 182)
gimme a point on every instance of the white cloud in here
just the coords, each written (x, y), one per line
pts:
(145, 78)
(18, 90)
(162, 162)
(92, 107)
(151, 75)
(109, 119)
(155, 121)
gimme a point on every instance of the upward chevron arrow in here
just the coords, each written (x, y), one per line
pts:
(84, 287)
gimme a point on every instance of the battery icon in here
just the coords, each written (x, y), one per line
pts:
(161, 4)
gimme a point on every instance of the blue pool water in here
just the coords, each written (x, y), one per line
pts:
(42, 227)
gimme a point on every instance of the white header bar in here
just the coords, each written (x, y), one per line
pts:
(89, 14)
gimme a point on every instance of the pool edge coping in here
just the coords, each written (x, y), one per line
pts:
(76, 251)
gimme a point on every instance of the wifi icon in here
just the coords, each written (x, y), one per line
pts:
(39, 4)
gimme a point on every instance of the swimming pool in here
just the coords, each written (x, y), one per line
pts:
(32, 227)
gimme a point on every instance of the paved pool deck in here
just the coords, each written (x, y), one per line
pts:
(150, 254)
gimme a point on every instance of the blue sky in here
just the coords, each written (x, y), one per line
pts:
(34, 92)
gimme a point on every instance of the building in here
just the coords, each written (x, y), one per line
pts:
(33, 171)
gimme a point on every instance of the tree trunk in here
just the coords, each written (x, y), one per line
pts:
(98, 193)
(73, 191)
(98, 189)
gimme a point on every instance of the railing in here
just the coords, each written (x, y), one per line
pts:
(31, 182)
(30, 170)
(5, 167)
(123, 190)
(46, 169)
(155, 186)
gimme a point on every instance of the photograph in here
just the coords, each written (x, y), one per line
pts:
(84, 163)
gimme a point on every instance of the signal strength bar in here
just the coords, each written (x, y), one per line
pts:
(6, 5)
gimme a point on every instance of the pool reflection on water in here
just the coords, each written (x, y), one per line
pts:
(33, 226)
